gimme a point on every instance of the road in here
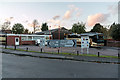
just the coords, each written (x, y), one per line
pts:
(14, 66)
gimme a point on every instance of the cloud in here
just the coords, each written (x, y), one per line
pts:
(54, 23)
(78, 14)
(57, 20)
(9, 19)
(56, 17)
(67, 14)
(30, 24)
(72, 10)
(99, 17)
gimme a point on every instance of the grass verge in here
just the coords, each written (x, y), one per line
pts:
(92, 55)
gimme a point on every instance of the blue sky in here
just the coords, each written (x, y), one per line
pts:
(59, 13)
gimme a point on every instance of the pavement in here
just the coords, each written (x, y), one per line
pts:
(64, 57)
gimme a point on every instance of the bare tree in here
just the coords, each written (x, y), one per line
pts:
(36, 26)
(6, 25)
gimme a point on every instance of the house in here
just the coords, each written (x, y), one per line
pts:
(58, 33)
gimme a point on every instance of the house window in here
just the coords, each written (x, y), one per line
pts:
(29, 37)
(37, 37)
(24, 38)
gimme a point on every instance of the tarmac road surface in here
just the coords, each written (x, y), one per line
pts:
(30, 67)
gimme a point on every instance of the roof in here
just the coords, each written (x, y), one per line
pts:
(6, 31)
(25, 35)
(2, 33)
(87, 34)
(51, 31)
(90, 34)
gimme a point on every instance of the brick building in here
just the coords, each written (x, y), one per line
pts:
(23, 39)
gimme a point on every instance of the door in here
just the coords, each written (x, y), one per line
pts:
(17, 41)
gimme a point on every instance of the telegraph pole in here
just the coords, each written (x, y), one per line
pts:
(49, 32)
(6, 40)
(59, 32)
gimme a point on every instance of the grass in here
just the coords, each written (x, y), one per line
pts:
(92, 55)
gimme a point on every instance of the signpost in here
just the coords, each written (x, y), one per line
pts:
(61, 43)
(85, 43)
(42, 42)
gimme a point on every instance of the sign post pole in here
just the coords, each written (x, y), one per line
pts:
(85, 43)
(81, 50)
(42, 44)
(87, 51)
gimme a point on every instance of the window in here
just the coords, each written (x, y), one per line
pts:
(37, 37)
(17, 40)
(73, 36)
(24, 38)
(29, 37)
(100, 37)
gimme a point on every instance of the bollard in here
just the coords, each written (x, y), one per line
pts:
(5, 46)
(27, 49)
(98, 54)
(118, 55)
(41, 50)
(58, 51)
(77, 53)
(15, 47)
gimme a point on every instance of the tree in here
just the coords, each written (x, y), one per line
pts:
(78, 28)
(18, 28)
(6, 25)
(115, 31)
(44, 27)
(111, 27)
(36, 26)
(105, 32)
(26, 31)
(97, 28)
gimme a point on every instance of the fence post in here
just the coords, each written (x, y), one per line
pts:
(41, 50)
(77, 53)
(15, 47)
(5, 46)
(58, 51)
(27, 49)
(98, 54)
(118, 55)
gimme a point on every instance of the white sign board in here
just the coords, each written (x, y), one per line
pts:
(42, 42)
(62, 43)
(84, 41)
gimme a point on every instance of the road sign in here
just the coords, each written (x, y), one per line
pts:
(42, 42)
(84, 41)
(61, 43)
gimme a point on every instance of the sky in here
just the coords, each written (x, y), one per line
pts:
(63, 14)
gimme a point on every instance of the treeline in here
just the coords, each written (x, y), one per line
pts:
(18, 28)
(113, 31)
